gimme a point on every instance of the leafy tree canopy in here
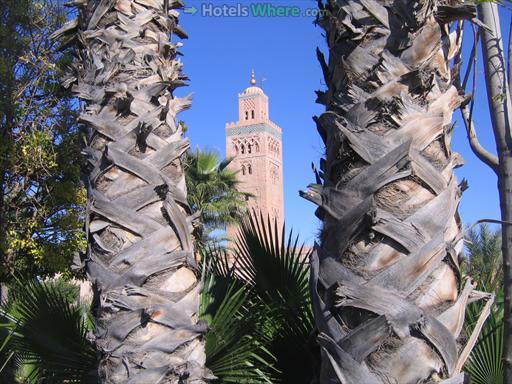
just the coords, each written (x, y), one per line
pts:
(40, 194)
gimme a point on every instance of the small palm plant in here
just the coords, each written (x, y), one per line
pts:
(278, 304)
(235, 347)
(44, 337)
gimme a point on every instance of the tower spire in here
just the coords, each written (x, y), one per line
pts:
(253, 78)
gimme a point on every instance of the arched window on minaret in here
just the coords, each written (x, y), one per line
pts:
(243, 170)
(236, 149)
(242, 149)
(249, 169)
(249, 148)
(246, 115)
(252, 114)
(256, 147)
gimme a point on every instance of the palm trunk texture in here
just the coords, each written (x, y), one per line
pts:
(141, 258)
(387, 292)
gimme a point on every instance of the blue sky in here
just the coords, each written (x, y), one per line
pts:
(218, 58)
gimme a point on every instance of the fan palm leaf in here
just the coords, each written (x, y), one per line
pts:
(235, 348)
(51, 335)
(9, 361)
(256, 300)
(272, 265)
(275, 265)
(485, 364)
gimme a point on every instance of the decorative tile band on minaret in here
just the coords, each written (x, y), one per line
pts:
(254, 141)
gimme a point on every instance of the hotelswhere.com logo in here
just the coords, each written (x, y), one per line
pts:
(256, 9)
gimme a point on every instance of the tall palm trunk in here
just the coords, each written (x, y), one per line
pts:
(388, 297)
(141, 257)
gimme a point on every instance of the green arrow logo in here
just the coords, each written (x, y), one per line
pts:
(191, 10)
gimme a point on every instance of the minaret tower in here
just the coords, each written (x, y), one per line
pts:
(255, 143)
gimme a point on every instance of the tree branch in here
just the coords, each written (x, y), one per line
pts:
(472, 56)
(466, 109)
(484, 155)
(491, 221)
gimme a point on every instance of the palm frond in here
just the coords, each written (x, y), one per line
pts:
(212, 190)
(235, 348)
(256, 300)
(485, 364)
(276, 266)
(207, 162)
(224, 164)
(273, 266)
(9, 361)
(51, 335)
(484, 259)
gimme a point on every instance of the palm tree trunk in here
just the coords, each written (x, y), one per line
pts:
(141, 258)
(500, 106)
(387, 292)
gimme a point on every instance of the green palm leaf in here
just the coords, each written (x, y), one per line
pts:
(484, 257)
(485, 364)
(277, 268)
(212, 190)
(235, 348)
(51, 335)
(259, 287)
(9, 360)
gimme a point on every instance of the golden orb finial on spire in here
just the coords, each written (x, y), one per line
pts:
(253, 78)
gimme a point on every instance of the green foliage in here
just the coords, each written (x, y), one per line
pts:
(69, 290)
(234, 347)
(279, 272)
(48, 335)
(211, 188)
(262, 308)
(9, 362)
(484, 265)
(484, 258)
(485, 364)
(258, 310)
(41, 199)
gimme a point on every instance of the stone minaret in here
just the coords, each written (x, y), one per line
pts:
(255, 143)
